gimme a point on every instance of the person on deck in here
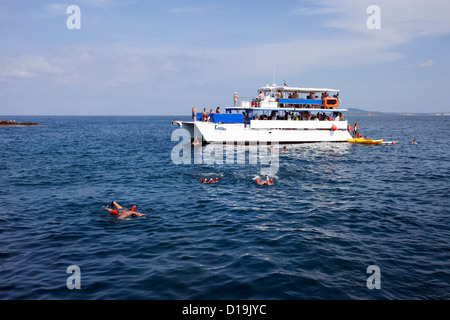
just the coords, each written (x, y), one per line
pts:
(204, 115)
(259, 98)
(194, 113)
(279, 95)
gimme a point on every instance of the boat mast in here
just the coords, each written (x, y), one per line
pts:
(274, 68)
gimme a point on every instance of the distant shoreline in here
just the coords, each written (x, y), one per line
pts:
(361, 112)
(4, 123)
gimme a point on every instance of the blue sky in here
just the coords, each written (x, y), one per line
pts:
(135, 57)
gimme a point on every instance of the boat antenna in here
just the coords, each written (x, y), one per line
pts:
(274, 68)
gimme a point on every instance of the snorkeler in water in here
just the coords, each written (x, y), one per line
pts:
(281, 149)
(209, 180)
(267, 182)
(119, 212)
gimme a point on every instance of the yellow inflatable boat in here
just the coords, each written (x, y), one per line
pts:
(364, 141)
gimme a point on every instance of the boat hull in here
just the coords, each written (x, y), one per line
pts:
(285, 132)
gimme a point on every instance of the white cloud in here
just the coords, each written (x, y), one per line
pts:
(107, 3)
(27, 66)
(194, 9)
(60, 8)
(57, 8)
(346, 41)
(349, 43)
(405, 19)
(101, 67)
(428, 63)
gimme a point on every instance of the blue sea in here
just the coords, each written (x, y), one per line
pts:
(335, 210)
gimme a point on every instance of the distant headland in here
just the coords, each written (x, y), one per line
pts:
(361, 112)
(4, 123)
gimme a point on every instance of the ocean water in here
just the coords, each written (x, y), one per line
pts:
(335, 210)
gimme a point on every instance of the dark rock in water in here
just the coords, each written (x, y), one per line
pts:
(13, 123)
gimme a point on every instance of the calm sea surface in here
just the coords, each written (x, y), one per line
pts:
(335, 210)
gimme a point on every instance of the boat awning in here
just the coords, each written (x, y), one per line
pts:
(286, 109)
(296, 89)
(300, 101)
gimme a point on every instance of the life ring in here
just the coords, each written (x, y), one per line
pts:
(330, 102)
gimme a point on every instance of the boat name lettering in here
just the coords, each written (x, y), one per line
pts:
(219, 128)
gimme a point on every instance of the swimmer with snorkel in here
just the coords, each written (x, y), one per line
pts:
(119, 212)
(281, 149)
(209, 180)
(267, 182)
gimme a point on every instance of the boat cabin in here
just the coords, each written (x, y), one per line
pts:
(284, 103)
(293, 97)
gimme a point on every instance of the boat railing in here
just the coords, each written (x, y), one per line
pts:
(293, 124)
(272, 102)
(244, 102)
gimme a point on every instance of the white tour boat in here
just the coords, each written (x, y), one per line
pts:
(280, 114)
